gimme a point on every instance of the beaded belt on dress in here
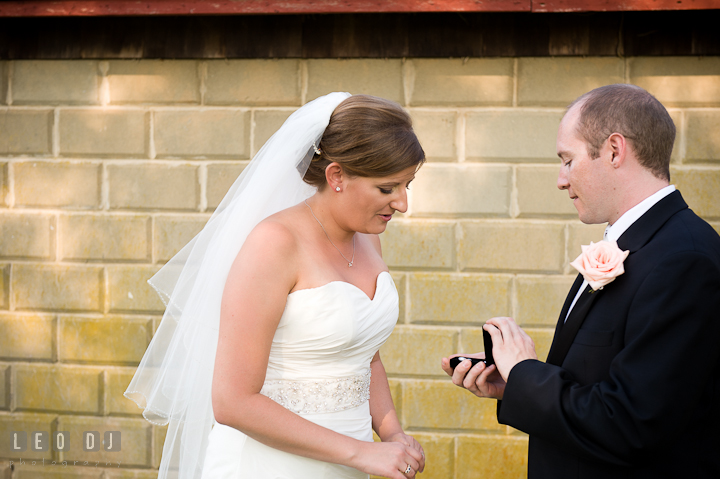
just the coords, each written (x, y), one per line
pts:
(308, 397)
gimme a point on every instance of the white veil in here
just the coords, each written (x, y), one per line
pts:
(174, 379)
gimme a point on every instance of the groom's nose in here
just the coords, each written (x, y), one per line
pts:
(562, 181)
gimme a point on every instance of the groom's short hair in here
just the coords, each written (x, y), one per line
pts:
(635, 114)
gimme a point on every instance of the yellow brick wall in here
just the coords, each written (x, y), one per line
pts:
(108, 167)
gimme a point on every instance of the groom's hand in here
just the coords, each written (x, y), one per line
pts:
(483, 381)
(511, 344)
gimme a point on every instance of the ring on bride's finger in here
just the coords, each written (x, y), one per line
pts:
(408, 469)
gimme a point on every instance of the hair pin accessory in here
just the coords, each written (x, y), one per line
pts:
(317, 150)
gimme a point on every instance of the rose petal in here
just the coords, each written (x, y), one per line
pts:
(600, 263)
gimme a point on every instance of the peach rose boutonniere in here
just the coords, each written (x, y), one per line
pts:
(600, 263)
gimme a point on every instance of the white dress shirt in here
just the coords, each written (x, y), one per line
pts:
(614, 231)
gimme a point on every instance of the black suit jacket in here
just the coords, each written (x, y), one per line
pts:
(631, 387)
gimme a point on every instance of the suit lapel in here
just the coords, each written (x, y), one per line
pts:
(565, 333)
(640, 232)
(636, 236)
(563, 314)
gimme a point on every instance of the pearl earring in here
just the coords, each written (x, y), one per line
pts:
(337, 188)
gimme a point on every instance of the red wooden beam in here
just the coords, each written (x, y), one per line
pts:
(621, 5)
(250, 7)
(79, 8)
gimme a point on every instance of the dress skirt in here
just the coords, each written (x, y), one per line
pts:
(233, 455)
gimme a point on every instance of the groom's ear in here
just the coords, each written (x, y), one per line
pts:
(617, 148)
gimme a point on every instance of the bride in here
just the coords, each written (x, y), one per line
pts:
(266, 363)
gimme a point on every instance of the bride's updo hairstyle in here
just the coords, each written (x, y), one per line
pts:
(369, 137)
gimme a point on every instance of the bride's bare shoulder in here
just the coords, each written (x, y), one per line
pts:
(275, 235)
(283, 222)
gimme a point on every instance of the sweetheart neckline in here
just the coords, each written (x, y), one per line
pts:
(377, 285)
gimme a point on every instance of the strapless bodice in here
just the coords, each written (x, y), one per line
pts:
(332, 331)
(319, 367)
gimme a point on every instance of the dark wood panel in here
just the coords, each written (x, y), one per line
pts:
(621, 5)
(422, 35)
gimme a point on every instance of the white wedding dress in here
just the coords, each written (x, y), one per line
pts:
(319, 368)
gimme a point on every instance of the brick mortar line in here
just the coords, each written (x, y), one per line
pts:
(505, 220)
(83, 263)
(458, 237)
(58, 238)
(514, 193)
(13, 390)
(55, 346)
(95, 316)
(455, 274)
(701, 166)
(244, 108)
(202, 177)
(202, 70)
(444, 108)
(104, 88)
(10, 76)
(460, 433)
(9, 288)
(155, 107)
(514, 297)
(161, 161)
(454, 456)
(515, 82)
(448, 327)
(101, 213)
(170, 162)
(10, 185)
(251, 140)
(566, 250)
(205, 215)
(11, 108)
(55, 236)
(544, 272)
(408, 74)
(626, 62)
(104, 180)
(682, 144)
(152, 152)
(103, 391)
(461, 136)
(50, 160)
(303, 83)
(551, 163)
(55, 136)
(477, 326)
(409, 199)
(149, 231)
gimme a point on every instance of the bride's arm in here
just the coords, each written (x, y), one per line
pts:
(384, 417)
(253, 301)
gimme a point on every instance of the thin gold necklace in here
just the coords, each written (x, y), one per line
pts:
(351, 260)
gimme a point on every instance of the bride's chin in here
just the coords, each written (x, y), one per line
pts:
(378, 229)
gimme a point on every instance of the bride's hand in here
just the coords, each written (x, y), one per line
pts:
(390, 459)
(403, 438)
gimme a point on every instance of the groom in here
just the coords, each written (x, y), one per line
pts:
(631, 386)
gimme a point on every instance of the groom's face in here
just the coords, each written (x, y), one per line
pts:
(586, 179)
